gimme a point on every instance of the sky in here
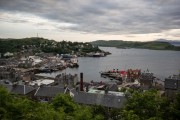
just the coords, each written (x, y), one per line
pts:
(89, 20)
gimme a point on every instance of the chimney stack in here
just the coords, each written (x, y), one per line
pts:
(106, 90)
(87, 88)
(81, 82)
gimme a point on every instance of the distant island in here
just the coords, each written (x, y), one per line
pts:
(153, 45)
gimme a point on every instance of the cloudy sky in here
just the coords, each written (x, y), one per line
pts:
(89, 20)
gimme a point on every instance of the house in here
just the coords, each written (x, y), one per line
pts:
(66, 79)
(20, 90)
(40, 82)
(172, 86)
(35, 60)
(8, 54)
(7, 73)
(146, 80)
(113, 87)
(47, 93)
(28, 76)
(109, 100)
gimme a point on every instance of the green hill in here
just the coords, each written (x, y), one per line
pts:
(36, 44)
(155, 45)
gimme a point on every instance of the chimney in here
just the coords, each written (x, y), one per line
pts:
(24, 89)
(87, 88)
(81, 81)
(106, 90)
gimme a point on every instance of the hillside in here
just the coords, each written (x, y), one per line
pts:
(44, 45)
(155, 45)
(172, 42)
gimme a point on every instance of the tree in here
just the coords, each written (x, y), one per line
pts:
(64, 103)
(5, 102)
(145, 105)
(14, 107)
(175, 108)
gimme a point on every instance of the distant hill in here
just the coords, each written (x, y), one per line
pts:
(173, 42)
(155, 45)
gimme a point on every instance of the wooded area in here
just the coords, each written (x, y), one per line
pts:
(140, 106)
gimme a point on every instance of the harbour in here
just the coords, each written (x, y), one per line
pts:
(43, 77)
(161, 63)
(89, 60)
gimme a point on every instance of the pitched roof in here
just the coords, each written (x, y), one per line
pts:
(19, 89)
(107, 100)
(7, 86)
(22, 89)
(113, 87)
(49, 91)
(146, 76)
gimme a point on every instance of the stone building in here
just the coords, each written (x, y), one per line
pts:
(172, 86)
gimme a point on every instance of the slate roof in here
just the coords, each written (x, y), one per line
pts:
(7, 86)
(147, 76)
(106, 100)
(172, 83)
(49, 91)
(113, 87)
(22, 89)
(19, 89)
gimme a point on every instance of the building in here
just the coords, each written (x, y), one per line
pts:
(66, 79)
(8, 73)
(8, 54)
(146, 80)
(99, 97)
(172, 86)
(40, 82)
(47, 93)
(20, 90)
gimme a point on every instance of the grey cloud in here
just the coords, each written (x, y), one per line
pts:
(19, 21)
(103, 16)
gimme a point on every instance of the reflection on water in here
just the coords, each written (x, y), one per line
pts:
(161, 63)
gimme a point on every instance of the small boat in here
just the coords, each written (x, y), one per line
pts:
(105, 73)
(112, 75)
(119, 78)
(111, 78)
(103, 76)
(45, 69)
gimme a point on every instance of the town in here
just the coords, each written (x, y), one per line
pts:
(21, 77)
(21, 67)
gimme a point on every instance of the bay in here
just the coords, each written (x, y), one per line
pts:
(160, 62)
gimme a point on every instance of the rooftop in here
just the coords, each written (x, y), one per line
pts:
(103, 92)
(19, 89)
(49, 91)
(107, 100)
(41, 82)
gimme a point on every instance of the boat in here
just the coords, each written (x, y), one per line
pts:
(98, 55)
(105, 73)
(45, 69)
